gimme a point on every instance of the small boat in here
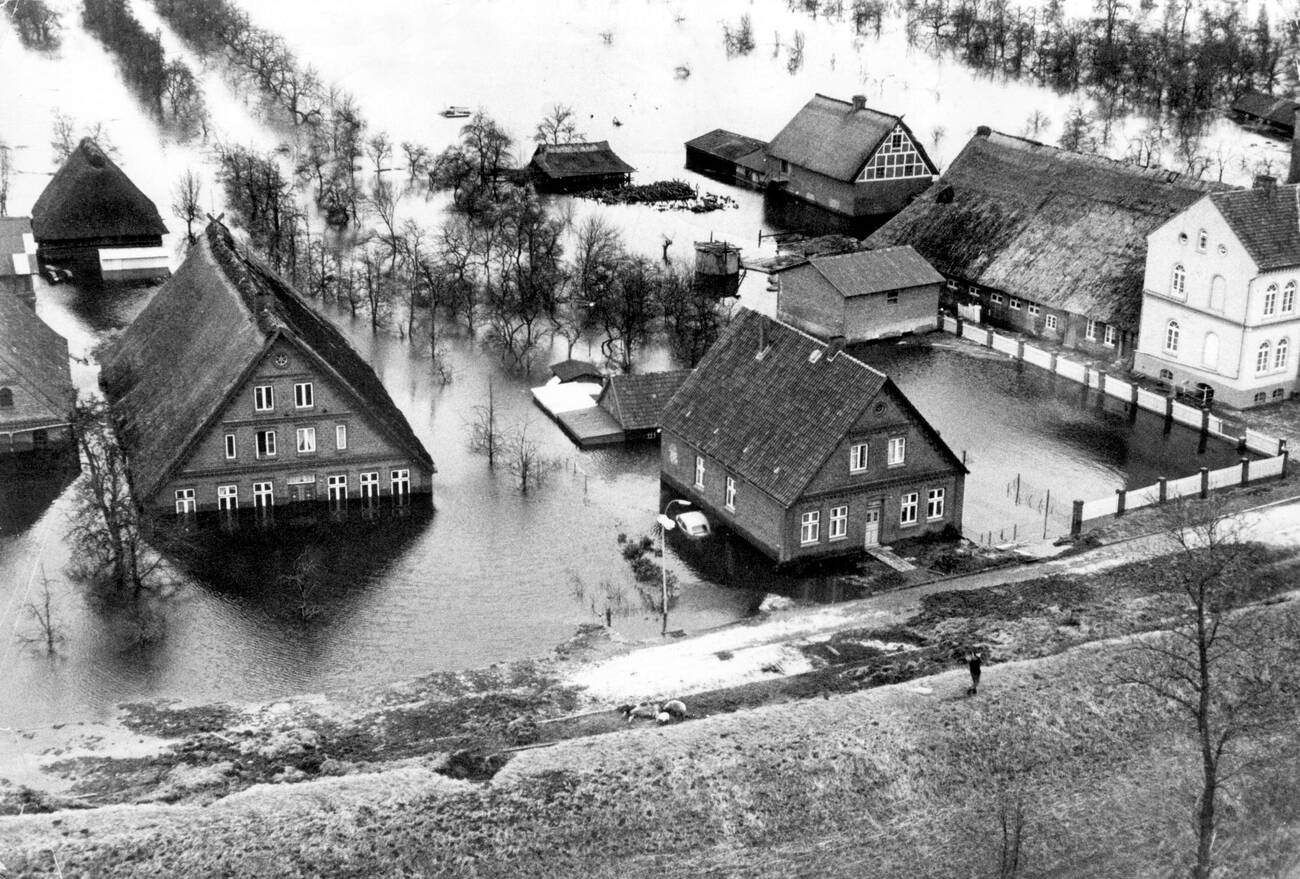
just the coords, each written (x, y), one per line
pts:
(454, 112)
(617, 122)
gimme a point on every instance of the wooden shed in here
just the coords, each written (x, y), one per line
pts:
(572, 167)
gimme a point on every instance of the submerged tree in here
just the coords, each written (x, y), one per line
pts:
(37, 24)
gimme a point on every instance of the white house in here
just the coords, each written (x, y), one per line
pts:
(1219, 308)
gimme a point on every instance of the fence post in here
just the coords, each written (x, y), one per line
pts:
(1245, 470)
(1205, 482)
(1163, 484)
(1020, 349)
(1281, 446)
(1133, 402)
(1205, 422)
(1241, 443)
(1121, 495)
(1101, 382)
(1076, 519)
(1286, 457)
(1052, 367)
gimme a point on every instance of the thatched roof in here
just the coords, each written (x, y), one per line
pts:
(572, 370)
(1064, 229)
(875, 271)
(1266, 221)
(89, 198)
(835, 138)
(637, 401)
(173, 371)
(36, 355)
(1279, 111)
(726, 144)
(561, 161)
(14, 256)
(774, 420)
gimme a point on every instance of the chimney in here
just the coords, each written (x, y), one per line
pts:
(859, 103)
(1293, 175)
(1265, 184)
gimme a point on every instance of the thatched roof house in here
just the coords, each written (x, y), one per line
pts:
(91, 203)
(36, 392)
(572, 166)
(1058, 232)
(1274, 113)
(183, 373)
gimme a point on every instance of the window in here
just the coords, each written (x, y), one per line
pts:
(1035, 310)
(1015, 304)
(1202, 240)
(1261, 357)
(400, 480)
(731, 493)
(896, 158)
(227, 497)
(1270, 300)
(1210, 351)
(891, 297)
(699, 472)
(185, 501)
(6, 398)
(263, 494)
(337, 487)
(1178, 284)
(1261, 397)
(934, 504)
(897, 450)
(230, 447)
(951, 285)
(1090, 332)
(340, 436)
(306, 440)
(1278, 393)
(266, 444)
(839, 526)
(302, 395)
(1111, 336)
(1171, 337)
(1050, 321)
(264, 398)
(1218, 293)
(1288, 297)
(1282, 353)
(995, 298)
(810, 527)
(370, 485)
(785, 167)
(907, 509)
(1166, 375)
(857, 457)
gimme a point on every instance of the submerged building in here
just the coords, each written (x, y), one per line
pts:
(229, 391)
(572, 167)
(36, 392)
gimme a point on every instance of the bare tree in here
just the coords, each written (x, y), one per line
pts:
(41, 610)
(558, 126)
(186, 203)
(1221, 667)
(417, 161)
(300, 581)
(485, 433)
(607, 600)
(1037, 123)
(524, 456)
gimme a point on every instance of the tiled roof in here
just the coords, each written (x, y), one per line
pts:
(638, 401)
(774, 419)
(558, 161)
(830, 137)
(90, 197)
(36, 354)
(726, 144)
(174, 369)
(1051, 226)
(875, 271)
(1266, 223)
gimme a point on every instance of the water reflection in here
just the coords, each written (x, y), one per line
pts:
(30, 483)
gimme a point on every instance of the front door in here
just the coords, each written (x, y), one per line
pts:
(303, 492)
(872, 534)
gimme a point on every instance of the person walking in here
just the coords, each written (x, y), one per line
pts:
(973, 663)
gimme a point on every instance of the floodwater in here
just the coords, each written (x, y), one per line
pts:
(491, 574)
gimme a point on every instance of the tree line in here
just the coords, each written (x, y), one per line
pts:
(38, 25)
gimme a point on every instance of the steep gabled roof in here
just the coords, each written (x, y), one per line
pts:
(830, 137)
(637, 401)
(36, 354)
(726, 144)
(1279, 111)
(775, 419)
(173, 371)
(1060, 228)
(559, 161)
(875, 271)
(90, 197)
(1266, 222)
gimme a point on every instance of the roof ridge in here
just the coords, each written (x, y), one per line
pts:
(1172, 176)
(849, 103)
(816, 341)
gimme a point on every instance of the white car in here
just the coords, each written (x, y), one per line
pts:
(693, 524)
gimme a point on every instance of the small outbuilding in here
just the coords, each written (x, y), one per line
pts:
(93, 219)
(577, 371)
(572, 167)
(17, 258)
(637, 401)
(36, 392)
(870, 294)
(733, 157)
(1273, 114)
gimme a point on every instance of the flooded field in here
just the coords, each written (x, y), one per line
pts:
(489, 574)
